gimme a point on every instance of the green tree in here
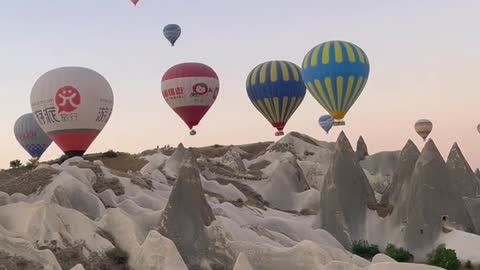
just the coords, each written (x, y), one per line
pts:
(15, 163)
(398, 254)
(363, 249)
(445, 258)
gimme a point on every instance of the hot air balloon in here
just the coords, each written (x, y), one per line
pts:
(335, 73)
(172, 32)
(423, 127)
(276, 89)
(326, 122)
(135, 2)
(31, 136)
(190, 89)
(72, 105)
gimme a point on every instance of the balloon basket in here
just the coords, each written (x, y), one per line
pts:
(279, 133)
(339, 123)
(192, 132)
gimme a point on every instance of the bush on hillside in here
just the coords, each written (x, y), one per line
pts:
(110, 154)
(15, 164)
(398, 254)
(33, 162)
(308, 153)
(445, 258)
(117, 255)
(363, 249)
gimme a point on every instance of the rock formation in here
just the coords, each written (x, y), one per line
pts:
(397, 194)
(287, 180)
(345, 195)
(173, 164)
(187, 216)
(461, 173)
(362, 150)
(433, 196)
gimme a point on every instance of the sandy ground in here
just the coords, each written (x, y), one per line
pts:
(29, 182)
(8, 262)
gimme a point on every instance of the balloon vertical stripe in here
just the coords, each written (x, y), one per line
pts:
(285, 73)
(295, 72)
(351, 81)
(323, 94)
(325, 54)
(350, 53)
(340, 92)
(338, 53)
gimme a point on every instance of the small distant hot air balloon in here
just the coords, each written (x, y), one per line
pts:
(190, 89)
(135, 2)
(72, 105)
(172, 32)
(423, 127)
(335, 73)
(478, 128)
(31, 136)
(326, 122)
(276, 89)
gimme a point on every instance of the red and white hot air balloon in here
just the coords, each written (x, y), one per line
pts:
(190, 89)
(72, 105)
(135, 2)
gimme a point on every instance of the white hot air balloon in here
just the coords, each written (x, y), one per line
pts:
(72, 105)
(423, 127)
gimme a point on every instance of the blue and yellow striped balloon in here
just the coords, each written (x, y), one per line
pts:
(335, 73)
(276, 89)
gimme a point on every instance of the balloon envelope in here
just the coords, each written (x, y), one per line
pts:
(326, 122)
(478, 128)
(190, 89)
(276, 89)
(335, 73)
(135, 2)
(423, 127)
(172, 32)
(31, 136)
(72, 105)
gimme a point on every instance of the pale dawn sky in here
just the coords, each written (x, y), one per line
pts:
(424, 63)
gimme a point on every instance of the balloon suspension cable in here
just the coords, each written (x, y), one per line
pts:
(279, 133)
(193, 132)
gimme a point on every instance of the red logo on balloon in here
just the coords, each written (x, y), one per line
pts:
(200, 89)
(67, 99)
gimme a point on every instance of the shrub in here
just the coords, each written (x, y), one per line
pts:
(110, 154)
(398, 254)
(445, 258)
(308, 153)
(469, 265)
(15, 163)
(33, 162)
(117, 255)
(363, 249)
